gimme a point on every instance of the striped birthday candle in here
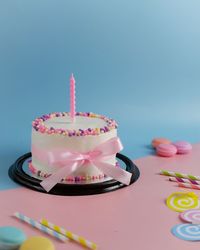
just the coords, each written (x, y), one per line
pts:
(183, 180)
(72, 98)
(188, 185)
(41, 227)
(79, 239)
(180, 175)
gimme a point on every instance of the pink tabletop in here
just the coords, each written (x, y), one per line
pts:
(135, 217)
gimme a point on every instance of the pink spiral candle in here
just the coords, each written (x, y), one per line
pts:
(72, 98)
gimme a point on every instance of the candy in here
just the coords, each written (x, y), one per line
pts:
(157, 141)
(37, 243)
(11, 237)
(187, 232)
(181, 201)
(166, 150)
(191, 216)
(183, 147)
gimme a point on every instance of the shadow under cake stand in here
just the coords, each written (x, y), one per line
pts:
(18, 174)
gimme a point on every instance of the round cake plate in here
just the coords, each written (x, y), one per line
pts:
(17, 174)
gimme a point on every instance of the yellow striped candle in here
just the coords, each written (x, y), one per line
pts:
(79, 239)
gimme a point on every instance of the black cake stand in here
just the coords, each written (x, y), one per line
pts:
(17, 173)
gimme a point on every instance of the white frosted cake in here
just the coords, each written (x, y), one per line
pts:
(79, 151)
(56, 131)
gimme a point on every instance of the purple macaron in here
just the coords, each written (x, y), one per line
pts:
(183, 147)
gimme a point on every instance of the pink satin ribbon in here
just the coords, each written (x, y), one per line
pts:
(71, 161)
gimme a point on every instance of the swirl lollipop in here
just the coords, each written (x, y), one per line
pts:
(188, 232)
(191, 216)
(182, 201)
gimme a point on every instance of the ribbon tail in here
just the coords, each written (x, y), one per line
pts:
(116, 173)
(49, 182)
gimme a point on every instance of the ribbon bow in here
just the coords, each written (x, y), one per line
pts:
(71, 161)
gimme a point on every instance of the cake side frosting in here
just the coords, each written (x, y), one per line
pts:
(67, 135)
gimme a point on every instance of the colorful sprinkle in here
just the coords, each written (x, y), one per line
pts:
(39, 173)
(39, 125)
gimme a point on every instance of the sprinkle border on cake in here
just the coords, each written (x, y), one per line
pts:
(39, 125)
(39, 173)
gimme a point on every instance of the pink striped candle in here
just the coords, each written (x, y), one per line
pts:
(72, 98)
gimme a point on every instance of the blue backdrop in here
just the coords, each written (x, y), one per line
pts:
(135, 61)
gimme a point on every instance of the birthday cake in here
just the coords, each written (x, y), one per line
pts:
(57, 142)
(55, 131)
(75, 147)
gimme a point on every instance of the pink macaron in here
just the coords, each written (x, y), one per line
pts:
(166, 150)
(183, 147)
(157, 141)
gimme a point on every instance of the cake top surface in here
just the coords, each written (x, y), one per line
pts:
(85, 124)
